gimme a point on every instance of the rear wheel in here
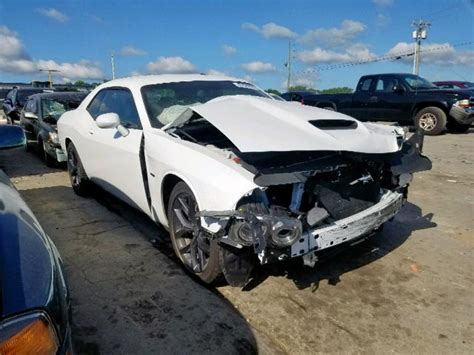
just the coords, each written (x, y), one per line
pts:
(454, 127)
(199, 255)
(431, 120)
(77, 174)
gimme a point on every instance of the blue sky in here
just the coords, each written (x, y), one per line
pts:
(242, 38)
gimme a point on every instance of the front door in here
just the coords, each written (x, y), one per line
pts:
(113, 160)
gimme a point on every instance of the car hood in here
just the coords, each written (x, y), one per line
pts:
(26, 258)
(255, 124)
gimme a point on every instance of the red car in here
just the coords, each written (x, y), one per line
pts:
(454, 84)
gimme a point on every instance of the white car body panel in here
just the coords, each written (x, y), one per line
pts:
(217, 182)
(256, 124)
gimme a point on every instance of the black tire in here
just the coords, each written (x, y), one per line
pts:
(454, 127)
(199, 255)
(431, 120)
(79, 180)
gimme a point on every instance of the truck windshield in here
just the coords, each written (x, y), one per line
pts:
(165, 102)
(416, 82)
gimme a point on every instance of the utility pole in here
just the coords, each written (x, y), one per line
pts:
(420, 32)
(113, 65)
(50, 77)
(288, 65)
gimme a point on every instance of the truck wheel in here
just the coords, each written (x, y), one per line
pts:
(454, 127)
(77, 174)
(199, 255)
(431, 120)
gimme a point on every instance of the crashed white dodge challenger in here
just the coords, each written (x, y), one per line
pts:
(237, 177)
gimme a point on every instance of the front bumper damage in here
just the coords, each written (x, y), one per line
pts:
(55, 151)
(464, 116)
(276, 235)
(310, 240)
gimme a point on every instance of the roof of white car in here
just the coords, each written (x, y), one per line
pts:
(142, 80)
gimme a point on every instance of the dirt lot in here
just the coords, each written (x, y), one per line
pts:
(407, 290)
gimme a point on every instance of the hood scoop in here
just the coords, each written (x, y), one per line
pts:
(334, 124)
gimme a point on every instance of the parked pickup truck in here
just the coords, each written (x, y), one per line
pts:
(404, 98)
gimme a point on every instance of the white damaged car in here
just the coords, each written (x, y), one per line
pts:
(237, 177)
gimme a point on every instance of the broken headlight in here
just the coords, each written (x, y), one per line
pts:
(280, 231)
(286, 232)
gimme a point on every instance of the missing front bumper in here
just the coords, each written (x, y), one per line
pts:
(342, 231)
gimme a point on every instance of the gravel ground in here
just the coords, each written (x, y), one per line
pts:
(407, 290)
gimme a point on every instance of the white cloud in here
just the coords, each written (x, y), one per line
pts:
(130, 51)
(382, 2)
(270, 30)
(356, 52)
(249, 78)
(335, 36)
(229, 50)
(258, 67)
(54, 14)
(168, 65)
(382, 20)
(10, 44)
(442, 54)
(15, 59)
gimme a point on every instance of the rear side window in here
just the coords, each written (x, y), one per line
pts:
(364, 85)
(116, 100)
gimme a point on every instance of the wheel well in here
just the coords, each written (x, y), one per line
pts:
(169, 182)
(67, 142)
(423, 105)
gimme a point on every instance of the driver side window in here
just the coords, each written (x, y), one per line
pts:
(118, 100)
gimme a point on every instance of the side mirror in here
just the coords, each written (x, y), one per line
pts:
(398, 89)
(30, 115)
(111, 120)
(11, 137)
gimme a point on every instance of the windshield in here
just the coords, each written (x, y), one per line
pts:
(417, 82)
(165, 102)
(55, 107)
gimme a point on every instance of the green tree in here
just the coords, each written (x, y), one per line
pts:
(273, 91)
(80, 83)
(337, 90)
(303, 88)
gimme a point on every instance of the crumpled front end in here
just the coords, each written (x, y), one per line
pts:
(312, 201)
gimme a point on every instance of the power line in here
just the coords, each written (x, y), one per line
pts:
(395, 56)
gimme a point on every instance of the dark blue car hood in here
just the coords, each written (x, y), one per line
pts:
(26, 257)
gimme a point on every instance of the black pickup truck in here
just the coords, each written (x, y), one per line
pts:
(404, 98)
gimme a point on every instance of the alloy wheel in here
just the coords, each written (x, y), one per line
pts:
(428, 121)
(192, 246)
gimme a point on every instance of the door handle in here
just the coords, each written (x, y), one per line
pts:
(374, 99)
(91, 132)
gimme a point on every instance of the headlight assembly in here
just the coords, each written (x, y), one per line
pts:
(462, 103)
(53, 137)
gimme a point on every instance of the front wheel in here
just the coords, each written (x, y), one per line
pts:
(77, 174)
(199, 255)
(431, 120)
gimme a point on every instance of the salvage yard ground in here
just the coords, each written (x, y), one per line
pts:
(408, 290)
